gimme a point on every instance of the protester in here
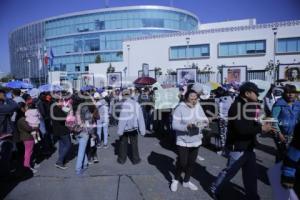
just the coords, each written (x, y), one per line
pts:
(243, 126)
(224, 101)
(88, 117)
(103, 122)
(188, 120)
(32, 117)
(7, 108)
(131, 120)
(146, 102)
(291, 164)
(25, 136)
(62, 133)
(287, 111)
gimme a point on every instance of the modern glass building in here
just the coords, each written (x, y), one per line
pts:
(78, 39)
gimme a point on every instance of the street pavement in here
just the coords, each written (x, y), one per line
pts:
(149, 180)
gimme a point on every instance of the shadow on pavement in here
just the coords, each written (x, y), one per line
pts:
(163, 163)
(7, 184)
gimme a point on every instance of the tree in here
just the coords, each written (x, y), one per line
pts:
(98, 59)
(7, 78)
(110, 69)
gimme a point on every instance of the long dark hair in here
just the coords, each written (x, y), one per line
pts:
(20, 112)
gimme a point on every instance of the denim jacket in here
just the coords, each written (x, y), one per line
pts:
(287, 115)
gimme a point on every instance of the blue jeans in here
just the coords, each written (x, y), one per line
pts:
(103, 125)
(82, 160)
(64, 147)
(245, 160)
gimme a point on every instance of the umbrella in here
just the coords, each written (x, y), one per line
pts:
(213, 85)
(87, 88)
(49, 88)
(265, 85)
(34, 93)
(145, 81)
(18, 85)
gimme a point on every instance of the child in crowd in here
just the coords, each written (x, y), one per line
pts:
(32, 117)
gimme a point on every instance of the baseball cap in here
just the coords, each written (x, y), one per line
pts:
(290, 89)
(249, 86)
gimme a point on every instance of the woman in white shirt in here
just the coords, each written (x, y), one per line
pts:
(188, 120)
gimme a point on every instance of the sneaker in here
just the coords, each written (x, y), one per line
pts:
(137, 162)
(99, 146)
(95, 160)
(33, 170)
(36, 166)
(190, 185)
(200, 158)
(105, 146)
(174, 185)
(60, 166)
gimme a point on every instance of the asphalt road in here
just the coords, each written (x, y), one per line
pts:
(149, 180)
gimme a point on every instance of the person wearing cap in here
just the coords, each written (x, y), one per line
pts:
(287, 111)
(102, 123)
(130, 122)
(243, 126)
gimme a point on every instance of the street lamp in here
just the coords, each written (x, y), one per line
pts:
(29, 69)
(274, 53)
(128, 60)
(187, 53)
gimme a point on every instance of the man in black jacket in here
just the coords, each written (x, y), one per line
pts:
(243, 126)
(7, 108)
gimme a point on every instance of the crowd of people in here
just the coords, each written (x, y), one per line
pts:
(31, 125)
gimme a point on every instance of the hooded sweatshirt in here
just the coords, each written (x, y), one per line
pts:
(184, 115)
(131, 117)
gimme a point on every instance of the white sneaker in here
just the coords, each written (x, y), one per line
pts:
(200, 158)
(33, 170)
(190, 185)
(174, 185)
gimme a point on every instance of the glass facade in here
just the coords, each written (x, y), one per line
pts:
(288, 45)
(189, 52)
(244, 48)
(76, 39)
(24, 45)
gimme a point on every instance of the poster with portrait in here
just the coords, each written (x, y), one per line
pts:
(185, 75)
(289, 72)
(87, 79)
(114, 79)
(145, 69)
(234, 74)
(151, 73)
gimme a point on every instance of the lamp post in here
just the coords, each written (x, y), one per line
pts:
(128, 59)
(29, 69)
(274, 53)
(187, 51)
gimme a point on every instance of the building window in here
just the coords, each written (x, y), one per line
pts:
(86, 68)
(189, 52)
(99, 25)
(92, 45)
(77, 68)
(153, 22)
(288, 45)
(228, 49)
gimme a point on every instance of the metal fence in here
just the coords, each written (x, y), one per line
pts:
(256, 74)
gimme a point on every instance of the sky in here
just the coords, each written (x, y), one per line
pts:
(15, 13)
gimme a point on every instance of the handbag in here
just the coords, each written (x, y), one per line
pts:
(193, 130)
